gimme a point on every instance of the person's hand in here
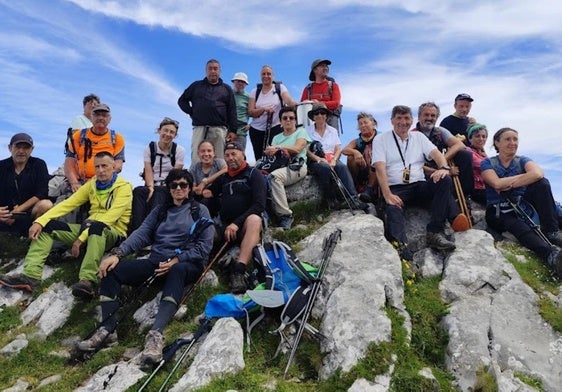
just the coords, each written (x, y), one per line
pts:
(76, 248)
(333, 162)
(231, 232)
(199, 188)
(164, 266)
(360, 160)
(35, 230)
(438, 175)
(74, 186)
(207, 193)
(454, 171)
(394, 200)
(6, 216)
(108, 264)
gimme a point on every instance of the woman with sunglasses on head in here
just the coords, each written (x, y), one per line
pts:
(159, 158)
(266, 100)
(294, 142)
(181, 233)
(515, 178)
(324, 159)
(205, 172)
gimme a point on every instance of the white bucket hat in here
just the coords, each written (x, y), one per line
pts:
(240, 76)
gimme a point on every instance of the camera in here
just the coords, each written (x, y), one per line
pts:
(406, 175)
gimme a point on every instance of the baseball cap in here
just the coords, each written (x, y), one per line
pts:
(233, 146)
(101, 107)
(463, 96)
(21, 138)
(240, 76)
(315, 64)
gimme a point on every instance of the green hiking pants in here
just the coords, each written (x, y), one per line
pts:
(101, 238)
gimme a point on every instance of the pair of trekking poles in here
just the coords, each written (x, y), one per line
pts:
(463, 205)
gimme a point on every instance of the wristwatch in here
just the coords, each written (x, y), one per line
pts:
(445, 167)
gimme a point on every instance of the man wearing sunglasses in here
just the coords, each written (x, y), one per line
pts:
(242, 193)
(110, 198)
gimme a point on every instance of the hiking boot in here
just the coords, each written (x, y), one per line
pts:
(554, 261)
(334, 204)
(238, 284)
(285, 222)
(357, 204)
(460, 223)
(439, 241)
(555, 238)
(84, 289)
(153, 346)
(100, 338)
(20, 282)
(403, 251)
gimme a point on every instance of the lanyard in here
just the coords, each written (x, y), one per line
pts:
(399, 149)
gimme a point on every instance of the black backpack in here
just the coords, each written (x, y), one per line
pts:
(154, 154)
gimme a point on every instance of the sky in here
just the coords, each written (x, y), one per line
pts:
(139, 56)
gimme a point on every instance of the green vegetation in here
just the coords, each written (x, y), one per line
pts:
(485, 382)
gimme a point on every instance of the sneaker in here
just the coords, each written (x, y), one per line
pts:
(153, 346)
(285, 222)
(554, 261)
(439, 242)
(84, 289)
(460, 223)
(238, 284)
(100, 338)
(20, 282)
(555, 238)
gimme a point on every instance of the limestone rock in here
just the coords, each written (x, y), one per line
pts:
(113, 378)
(51, 309)
(15, 346)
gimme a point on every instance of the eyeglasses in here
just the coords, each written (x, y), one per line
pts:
(175, 185)
(169, 121)
(323, 113)
(288, 118)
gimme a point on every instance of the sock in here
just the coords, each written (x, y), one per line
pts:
(109, 314)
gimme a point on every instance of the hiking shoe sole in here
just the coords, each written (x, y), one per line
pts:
(8, 282)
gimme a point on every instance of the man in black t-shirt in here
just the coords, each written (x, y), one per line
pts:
(458, 122)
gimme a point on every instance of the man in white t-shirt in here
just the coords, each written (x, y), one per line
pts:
(399, 157)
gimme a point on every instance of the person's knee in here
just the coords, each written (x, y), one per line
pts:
(96, 228)
(41, 207)
(56, 225)
(252, 224)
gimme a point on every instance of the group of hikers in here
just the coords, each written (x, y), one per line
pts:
(180, 214)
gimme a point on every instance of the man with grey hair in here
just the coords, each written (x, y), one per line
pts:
(211, 106)
(454, 148)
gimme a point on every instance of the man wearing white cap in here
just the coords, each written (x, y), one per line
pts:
(24, 182)
(241, 97)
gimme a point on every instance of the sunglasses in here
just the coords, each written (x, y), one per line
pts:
(322, 113)
(287, 118)
(175, 185)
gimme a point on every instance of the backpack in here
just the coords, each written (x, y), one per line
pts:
(268, 163)
(154, 154)
(277, 85)
(84, 141)
(334, 119)
(278, 275)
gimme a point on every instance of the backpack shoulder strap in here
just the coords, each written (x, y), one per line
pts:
(69, 139)
(278, 91)
(113, 137)
(173, 154)
(259, 86)
(152, 147)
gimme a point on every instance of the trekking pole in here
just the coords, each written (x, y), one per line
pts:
(461, 198)
(191, 289)
(528, 220)
(328, 247)
(203, 328)
(267, 131)
(344, 192)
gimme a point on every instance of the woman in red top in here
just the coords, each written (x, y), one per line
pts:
(477, 137)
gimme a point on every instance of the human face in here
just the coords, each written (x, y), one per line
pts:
(462, 108)
(105, 166)
(167, 133)
(289, 121)
(20, 152)
(402, 124)
(427, 118)
(179, 190)
(101, 120)
(89, 106)
(266, 75)
(320, 118)
(239, 86)
(508, 143)
(478, 139)
(366, 127)
(321, 70)
(206, 153)
(213, 72)
(234, 159)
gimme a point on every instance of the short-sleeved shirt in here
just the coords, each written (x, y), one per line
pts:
(415, 150)
(329, 140)
(163, 163)
(81, 122)
(291, 140)
(265, 100)
(493, 197)
(456, 125)
(98, 144)
(196, 170)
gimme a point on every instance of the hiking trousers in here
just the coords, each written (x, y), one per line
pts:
(420, 192)
(135, 273)
(142, 207)
(278, 180)
(101, 238)
(322, 171)
(215, 134)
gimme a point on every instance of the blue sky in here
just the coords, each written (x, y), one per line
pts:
(140, 55)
